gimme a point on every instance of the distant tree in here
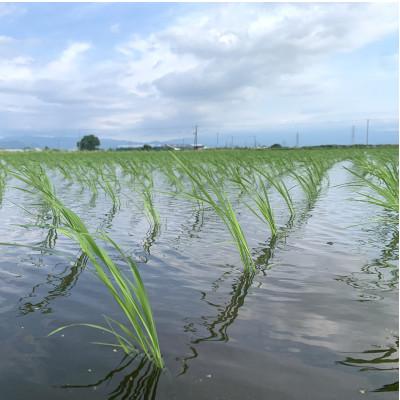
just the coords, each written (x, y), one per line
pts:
(88, 142)
(147, 147)
(276, 146)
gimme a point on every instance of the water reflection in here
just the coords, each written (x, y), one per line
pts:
(139, 383)
(381, 274)
(50, 240)
(64, 281)
(217, 326)
(377, 359)
(265, 254)
(62, 284)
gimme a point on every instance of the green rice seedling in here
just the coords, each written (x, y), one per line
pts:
(201, 180)
(147, 187)
(173, 179)
(264, 210)
(110, 191)
(151, 211)
(311, 178)
(281, 188)
(382, 177)
(2, 181)
(129, 294)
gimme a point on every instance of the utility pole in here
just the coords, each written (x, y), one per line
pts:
(195, 138)
(217, 138)
(367, 130)
(353, 135)
(255, 141)
(297, 139)
(232, 142)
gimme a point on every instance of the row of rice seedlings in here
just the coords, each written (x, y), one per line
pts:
(203, 182)
(381, 176)
(311, 178)
(141, 179)
(129, 294)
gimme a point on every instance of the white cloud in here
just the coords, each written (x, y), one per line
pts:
(115, 28)
(6, 10)
(67, 62)
(5, 39)
(239, 62)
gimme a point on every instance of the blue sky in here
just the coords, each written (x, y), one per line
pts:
(152, 71)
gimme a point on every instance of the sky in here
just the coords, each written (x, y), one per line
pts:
(240, 72)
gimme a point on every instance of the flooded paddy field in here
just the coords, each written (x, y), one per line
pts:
(270, 274)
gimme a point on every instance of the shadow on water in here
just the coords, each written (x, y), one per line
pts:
(378, 359)
(62, 283)
(139, 382)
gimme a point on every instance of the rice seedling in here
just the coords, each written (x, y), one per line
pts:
(382, 178)
(202, 180)
(264, 210)
(152, 214)
(129, 293)
(310, 179)
(281, 188)
(2, 181)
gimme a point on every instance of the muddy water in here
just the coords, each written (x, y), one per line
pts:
(318, 321)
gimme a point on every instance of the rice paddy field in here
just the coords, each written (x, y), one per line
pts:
(218, 274)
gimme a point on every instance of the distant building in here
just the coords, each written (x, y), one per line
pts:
(198, 146)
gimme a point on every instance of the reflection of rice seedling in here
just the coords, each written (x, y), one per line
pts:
(139, 383)
(201, 180)
(129, 294)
